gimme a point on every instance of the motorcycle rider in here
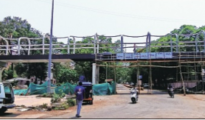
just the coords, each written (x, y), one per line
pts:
(170, 90)
(134, 94)
(133, 90)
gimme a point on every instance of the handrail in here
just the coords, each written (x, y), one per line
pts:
(19, 41)
(7, 47)
(96, 44)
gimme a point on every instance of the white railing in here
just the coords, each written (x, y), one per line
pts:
(95, 45)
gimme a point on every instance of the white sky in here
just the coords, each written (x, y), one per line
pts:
(107, 17)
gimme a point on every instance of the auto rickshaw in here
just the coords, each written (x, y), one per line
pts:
(88, 95)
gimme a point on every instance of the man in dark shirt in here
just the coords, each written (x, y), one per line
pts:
(79, 92)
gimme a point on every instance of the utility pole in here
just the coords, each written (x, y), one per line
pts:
(50, 50)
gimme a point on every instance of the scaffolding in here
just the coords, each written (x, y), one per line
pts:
(190, 63)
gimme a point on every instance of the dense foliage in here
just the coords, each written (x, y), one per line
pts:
(70, 71)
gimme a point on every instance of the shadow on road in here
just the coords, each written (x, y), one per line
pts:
(86, 104)
(8, 115)
(154, 93)
(75, 117)
(170, 97)
(123, 94)
(132, 103)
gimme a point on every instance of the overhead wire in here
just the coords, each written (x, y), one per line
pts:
(150, 18)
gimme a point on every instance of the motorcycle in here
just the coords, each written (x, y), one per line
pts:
(171, 92)
(134, 95)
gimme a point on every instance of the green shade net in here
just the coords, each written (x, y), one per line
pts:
(104, 89)
(34, 89)
(113, 86)
(67, 88)
(38, 89)
(20, 92)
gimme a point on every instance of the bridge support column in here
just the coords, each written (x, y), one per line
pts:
(97, 74)
(94, 73)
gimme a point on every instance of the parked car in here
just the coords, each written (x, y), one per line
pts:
(6, 97)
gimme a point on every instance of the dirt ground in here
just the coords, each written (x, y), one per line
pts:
(155, 105)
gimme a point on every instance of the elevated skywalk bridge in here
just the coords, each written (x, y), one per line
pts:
(23, 49)
(35, 50)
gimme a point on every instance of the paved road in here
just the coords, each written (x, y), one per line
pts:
(156, 105)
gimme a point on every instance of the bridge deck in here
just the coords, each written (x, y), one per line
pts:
(44, 58)
(188, 56)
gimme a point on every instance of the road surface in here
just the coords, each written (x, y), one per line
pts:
(156, 105)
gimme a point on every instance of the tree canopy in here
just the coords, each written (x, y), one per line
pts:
(69, 72)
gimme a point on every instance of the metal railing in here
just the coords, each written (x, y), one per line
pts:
(96, 45)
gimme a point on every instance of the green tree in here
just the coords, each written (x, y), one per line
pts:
(14, 28)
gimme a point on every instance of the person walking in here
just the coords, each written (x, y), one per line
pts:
(79, 92)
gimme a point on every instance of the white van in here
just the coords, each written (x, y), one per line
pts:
(6, 97)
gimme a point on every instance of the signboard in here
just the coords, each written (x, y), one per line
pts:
(136, 56)
(128, 55)
(167, 55)
(152, 55)
(159, 55)
(120, 55)
(144, 56)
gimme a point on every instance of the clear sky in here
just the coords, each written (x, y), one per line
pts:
(107, 17)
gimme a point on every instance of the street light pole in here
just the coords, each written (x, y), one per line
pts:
(50, 50)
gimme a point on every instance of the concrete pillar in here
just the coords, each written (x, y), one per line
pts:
(97, 74)
(94, 73)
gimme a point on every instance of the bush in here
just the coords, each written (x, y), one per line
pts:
(55, 98)
(44, 95)
(71, 102)
(44, 105)
(61, 93)
(62, 106)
